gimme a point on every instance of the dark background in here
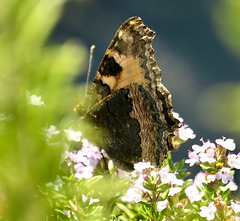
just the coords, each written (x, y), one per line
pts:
(187, 48)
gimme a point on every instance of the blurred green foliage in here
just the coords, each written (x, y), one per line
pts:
(29, 63)
(219, 105)
(226, 17)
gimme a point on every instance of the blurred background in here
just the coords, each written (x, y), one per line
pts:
(43, 52)
(197, 48)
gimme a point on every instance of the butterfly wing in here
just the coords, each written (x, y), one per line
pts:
(128, 59)
(128, 102)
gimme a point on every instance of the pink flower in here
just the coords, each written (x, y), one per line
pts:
(208, 211)
(225, 175)
(193, 158)
(85, 160)
(179, 205)
(226, 143)
(90, 150)
(186, 133)
(208, 156)
(169, 178)
(83, 171)
(233, 161)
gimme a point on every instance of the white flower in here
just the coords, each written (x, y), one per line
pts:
(73, 135)
(154, 173)
(161, 205)
(176, 115)
(227, 144)
(169, 178)
(121, 173)
(165, 176)
(231, 186)
(225, 175)
(186, 133)
(65, 154)
(208, 145)
(193, 194)
(200, 178)
(163, 173)
(175, 180)
(67, 213)
(84, 198)
(193, 158)
(34, 99)
(139, 167)
(208, 156)
(211, 178)
(198, 149)
(134, 195)
(233, 161)
(235, 207)
(174, 190)
(51, 131)
(93, 201)
(208, 211)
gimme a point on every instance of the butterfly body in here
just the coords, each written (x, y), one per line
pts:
(130, 108)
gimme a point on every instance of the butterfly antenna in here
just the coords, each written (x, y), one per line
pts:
(89, 67)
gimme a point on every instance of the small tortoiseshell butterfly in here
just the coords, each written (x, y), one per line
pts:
(127, 103)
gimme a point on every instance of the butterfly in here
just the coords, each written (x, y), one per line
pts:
(128, 106)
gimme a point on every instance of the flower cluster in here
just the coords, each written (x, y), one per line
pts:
(85, 160)
(217, 161)
(209, 190)
(214, 159)
(34, 99)
(209, 153)
(157, 193)
(182, 134)
(154, 186)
